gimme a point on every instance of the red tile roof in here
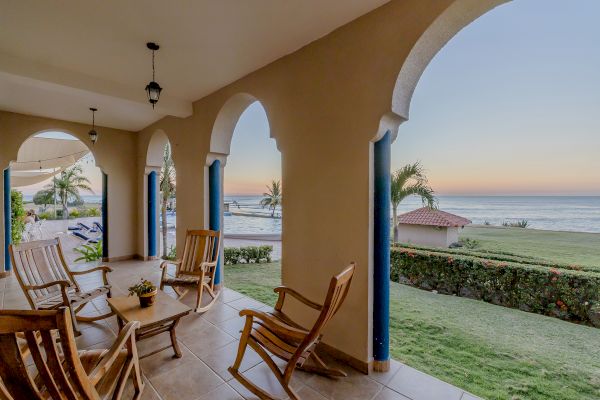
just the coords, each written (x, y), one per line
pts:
(428, 216)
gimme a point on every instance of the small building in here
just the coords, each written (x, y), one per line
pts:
(430, 227)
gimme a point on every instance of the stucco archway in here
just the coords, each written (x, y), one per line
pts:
(220, 147)
(54, 154)
(457, 16)
(155, 153)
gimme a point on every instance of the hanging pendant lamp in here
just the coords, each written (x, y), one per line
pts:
(92, 133)
(153, 89)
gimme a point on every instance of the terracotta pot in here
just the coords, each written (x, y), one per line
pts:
(147, 299)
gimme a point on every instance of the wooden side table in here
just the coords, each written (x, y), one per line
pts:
(162, 316)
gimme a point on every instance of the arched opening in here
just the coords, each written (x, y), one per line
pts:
(160, 194)
(55, 189)
(481, 130)
(251, 199)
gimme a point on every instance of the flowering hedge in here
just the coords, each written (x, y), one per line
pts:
(504, 256)
(248, 254)
(567, 294)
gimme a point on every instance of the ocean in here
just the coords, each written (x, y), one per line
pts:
(558, 213)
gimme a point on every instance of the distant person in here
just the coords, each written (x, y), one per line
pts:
(29, 218)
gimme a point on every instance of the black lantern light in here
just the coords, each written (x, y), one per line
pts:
(153, 89)
(92, 133)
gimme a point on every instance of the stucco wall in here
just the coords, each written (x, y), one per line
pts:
(115, 155)
(427, 235)
(326, 103)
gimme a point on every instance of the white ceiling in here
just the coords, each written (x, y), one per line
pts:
(58, 58)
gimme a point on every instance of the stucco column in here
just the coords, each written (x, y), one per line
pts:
(104, 217)
(214, 190)
(7, 219)
(381, 254)
(152, 215)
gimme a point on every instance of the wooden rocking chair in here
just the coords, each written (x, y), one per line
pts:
(197, 268)
(48, 283)
(276, 333)
(66, 374)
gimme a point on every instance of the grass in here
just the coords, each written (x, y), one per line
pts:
(491, 351)
(562, 247)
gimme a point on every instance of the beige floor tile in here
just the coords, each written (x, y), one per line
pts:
(94, 335)
(389, 394)
(264, 378)
(206, 339)
(186, 382)
(220, 312)
(223, 392)
(419, 386)
(469, 396)
(165, 360)
(233, 326)
(385, 377)
(229, 295)
(244, 303)
(222, 358)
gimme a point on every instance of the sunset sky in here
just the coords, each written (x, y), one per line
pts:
(509, 106)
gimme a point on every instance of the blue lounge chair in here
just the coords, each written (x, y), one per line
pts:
(84, 237)
(74, 228)
(98, 227)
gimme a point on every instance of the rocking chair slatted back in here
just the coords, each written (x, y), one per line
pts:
(40, 262)
(201, 246)
(338, 289)
(61, 375)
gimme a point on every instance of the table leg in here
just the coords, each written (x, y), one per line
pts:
(174, 338)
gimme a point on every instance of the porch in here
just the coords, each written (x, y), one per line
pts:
(209, 344)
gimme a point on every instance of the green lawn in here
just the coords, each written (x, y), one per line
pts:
(491, 351)
(564, 247)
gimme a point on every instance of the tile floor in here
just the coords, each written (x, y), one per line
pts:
(209, 344)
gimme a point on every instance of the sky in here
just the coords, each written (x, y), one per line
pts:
(508, 107)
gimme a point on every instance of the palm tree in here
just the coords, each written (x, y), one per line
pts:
(273, 197)
(167, 191)
(408, 181)
(67, 186)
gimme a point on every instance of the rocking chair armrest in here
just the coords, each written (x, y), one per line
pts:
(274, 324)
(283, 290)
(205, 264)
(106, 362)
(105, 269)
(167, 262)
(62, 283)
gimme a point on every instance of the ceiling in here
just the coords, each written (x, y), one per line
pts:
(58, 58)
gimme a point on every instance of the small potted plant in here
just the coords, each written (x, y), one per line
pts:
(145, 291)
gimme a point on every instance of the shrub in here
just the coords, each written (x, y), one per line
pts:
(92, 212)
(231, 255)
(247, 254)
(565, 294)
(89, 252)
(503, 256)
(46, 215)
(17, 225)
(171, 254)
(75, 213)
(518, 224)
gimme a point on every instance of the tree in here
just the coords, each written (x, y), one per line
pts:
(167, 191)
(273, 197)
(67, 186)
(17, 222)
(44, 197)
(410, 180)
